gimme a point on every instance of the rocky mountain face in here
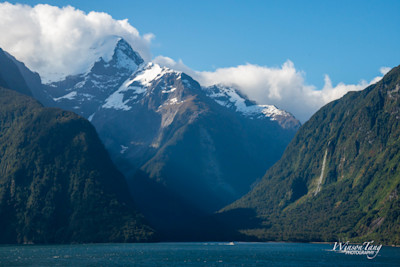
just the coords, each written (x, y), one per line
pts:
(338, 178)
(198, 148)
(57, 182)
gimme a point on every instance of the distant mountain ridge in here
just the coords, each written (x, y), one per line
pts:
(167, 133)
(338, 179)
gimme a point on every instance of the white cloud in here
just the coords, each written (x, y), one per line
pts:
(57, 41)
(384, 70)
(172, 64)
(282, 86)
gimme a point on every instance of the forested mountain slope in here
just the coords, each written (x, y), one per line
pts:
(338, 178)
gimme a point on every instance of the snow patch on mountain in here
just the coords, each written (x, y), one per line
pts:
(69, 96)
(137, 84)
(91, 117)
(116, 101)
(150, 73)
(171, 90)
(173, 101)
(123, 149)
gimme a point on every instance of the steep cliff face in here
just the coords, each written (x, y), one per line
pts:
(57, 182)
(10, 76)
(339, 177)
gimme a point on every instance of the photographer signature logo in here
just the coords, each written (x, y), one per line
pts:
(367, 248)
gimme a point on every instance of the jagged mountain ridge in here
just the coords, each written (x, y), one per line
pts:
(100, 82)
(338, 179)
(232, 98)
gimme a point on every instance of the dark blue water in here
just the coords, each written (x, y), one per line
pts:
(192, 254)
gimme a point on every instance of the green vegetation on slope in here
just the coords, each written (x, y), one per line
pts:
(355, 195)
(57, 183)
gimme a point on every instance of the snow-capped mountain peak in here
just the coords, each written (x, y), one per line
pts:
(231, 98)
(123, 58)
(84, 92)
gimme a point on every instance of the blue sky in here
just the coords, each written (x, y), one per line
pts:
(277, 52)
(349, 40)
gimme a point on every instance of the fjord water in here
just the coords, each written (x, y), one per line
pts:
(192, 254)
